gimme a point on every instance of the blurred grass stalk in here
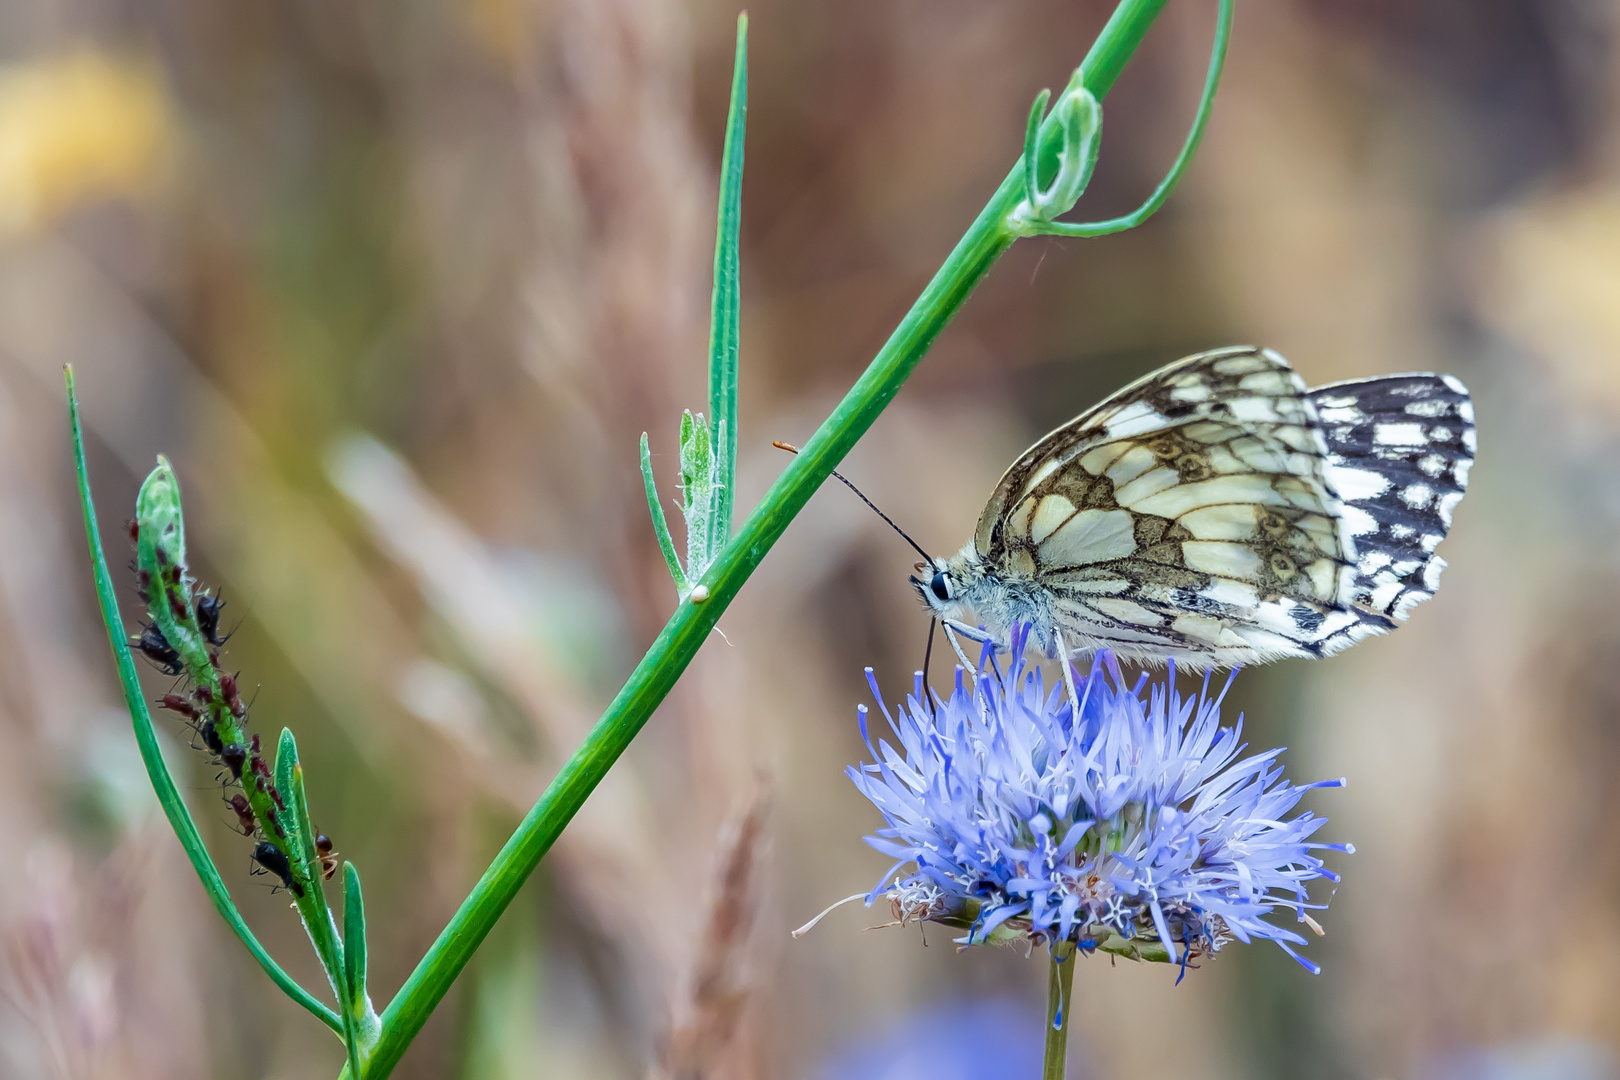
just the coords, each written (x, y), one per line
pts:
(695, 616)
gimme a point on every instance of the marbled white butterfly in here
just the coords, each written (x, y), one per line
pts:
(1218, 512)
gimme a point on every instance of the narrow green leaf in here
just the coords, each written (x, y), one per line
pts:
(698, 493)
(362, 1017)
(724, 317)
(354, 939)
(1032, 135)
(655, 507)
(300, 847)
(174, 808)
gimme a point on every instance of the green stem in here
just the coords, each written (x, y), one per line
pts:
(1059, 983)
(689, 627)
(174, 808)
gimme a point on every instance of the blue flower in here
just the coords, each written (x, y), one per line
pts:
(1139, 830)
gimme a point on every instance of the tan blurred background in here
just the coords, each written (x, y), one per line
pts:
(398, 286)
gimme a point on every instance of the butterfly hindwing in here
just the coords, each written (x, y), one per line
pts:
(1399, 451)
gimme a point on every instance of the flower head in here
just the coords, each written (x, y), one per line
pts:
(1138, 830)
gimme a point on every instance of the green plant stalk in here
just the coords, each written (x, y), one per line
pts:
(318, 922)
(174, 807)
(1059, 983)
(160, 555)
(689, 627)
(724, 317)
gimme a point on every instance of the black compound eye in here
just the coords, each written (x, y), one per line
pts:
(940, 586)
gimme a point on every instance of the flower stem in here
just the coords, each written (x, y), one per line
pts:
(1059, 983)
(690, 625)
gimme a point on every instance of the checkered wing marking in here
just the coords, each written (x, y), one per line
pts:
(1399, 451)
(1187, 515)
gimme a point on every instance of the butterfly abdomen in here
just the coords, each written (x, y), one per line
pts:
(1399, 451)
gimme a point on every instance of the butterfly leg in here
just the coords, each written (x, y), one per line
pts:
(952, 628)
(1068, 674)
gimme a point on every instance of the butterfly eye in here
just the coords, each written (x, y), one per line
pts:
(941, 586)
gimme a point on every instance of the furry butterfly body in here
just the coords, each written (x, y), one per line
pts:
(1219, 512)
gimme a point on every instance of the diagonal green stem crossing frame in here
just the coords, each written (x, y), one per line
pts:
(689, 627)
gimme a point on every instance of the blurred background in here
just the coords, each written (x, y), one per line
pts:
(398, 287)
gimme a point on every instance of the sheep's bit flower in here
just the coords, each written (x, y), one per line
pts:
(1137, 831)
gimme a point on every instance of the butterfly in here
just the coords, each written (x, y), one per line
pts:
(1217, 512)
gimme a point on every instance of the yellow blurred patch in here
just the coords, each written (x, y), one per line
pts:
(78, 127)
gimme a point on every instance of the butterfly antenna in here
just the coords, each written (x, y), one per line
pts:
(790, 448)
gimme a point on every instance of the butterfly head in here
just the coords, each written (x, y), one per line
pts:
(943, 585)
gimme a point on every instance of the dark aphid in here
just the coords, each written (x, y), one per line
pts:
(208, 619)
(162, 556)
(328, 857)
(244, 814)
(204, 695)
(227, 686)
(134, 532)
(270, 857)
(234, 756)
(211, 739)
(176, 703)
(157, 649)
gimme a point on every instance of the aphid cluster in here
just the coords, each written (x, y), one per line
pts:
(216, 714)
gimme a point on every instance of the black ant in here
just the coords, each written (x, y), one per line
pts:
(157, 649)
(274, 860)
(244, 814)
(234, 756)
(208, 608)
(326, 856)
(211, 738)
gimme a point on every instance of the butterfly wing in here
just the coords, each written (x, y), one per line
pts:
(1191, 515)
(1399, 451)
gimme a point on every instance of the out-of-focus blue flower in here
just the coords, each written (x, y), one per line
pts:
(960, 1040)
(1138, 830)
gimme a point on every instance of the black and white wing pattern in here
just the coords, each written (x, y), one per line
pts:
(1218, 512)
(1399, 451)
